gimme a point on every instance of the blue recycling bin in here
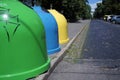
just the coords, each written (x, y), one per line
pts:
(51, 29)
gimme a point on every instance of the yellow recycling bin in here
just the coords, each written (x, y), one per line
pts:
(62, 26)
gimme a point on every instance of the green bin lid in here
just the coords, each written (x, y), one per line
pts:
(23, 51)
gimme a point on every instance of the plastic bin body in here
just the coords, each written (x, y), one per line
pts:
(62, 26)
(51, 30)
(23, 52)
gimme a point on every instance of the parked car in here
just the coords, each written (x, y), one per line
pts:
(108, 17)
(105, 17)
(115, 19)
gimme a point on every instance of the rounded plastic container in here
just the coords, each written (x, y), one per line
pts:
(51, 30)
(62, 26)
(23, 52)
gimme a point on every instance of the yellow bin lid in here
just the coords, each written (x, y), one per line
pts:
(62, 26)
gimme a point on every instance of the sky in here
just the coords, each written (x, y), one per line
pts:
(93, 4)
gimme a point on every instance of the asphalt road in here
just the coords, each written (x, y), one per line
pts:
(103, 41)
(99, 59)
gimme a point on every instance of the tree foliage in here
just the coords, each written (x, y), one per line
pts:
(72, 9)
(107, 7)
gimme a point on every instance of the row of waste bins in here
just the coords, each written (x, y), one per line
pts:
(27, 36)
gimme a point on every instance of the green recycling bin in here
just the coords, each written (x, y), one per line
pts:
(23, 52)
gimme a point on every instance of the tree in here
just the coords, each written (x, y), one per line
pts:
(99, 12)
(72, 9)
(76, 9)
(88, 12)
(107, 7)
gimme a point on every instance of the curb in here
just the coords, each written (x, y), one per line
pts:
(59, 57)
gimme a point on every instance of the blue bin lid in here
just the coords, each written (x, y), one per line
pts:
(51, 29)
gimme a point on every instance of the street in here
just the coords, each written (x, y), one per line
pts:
(99, 58)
